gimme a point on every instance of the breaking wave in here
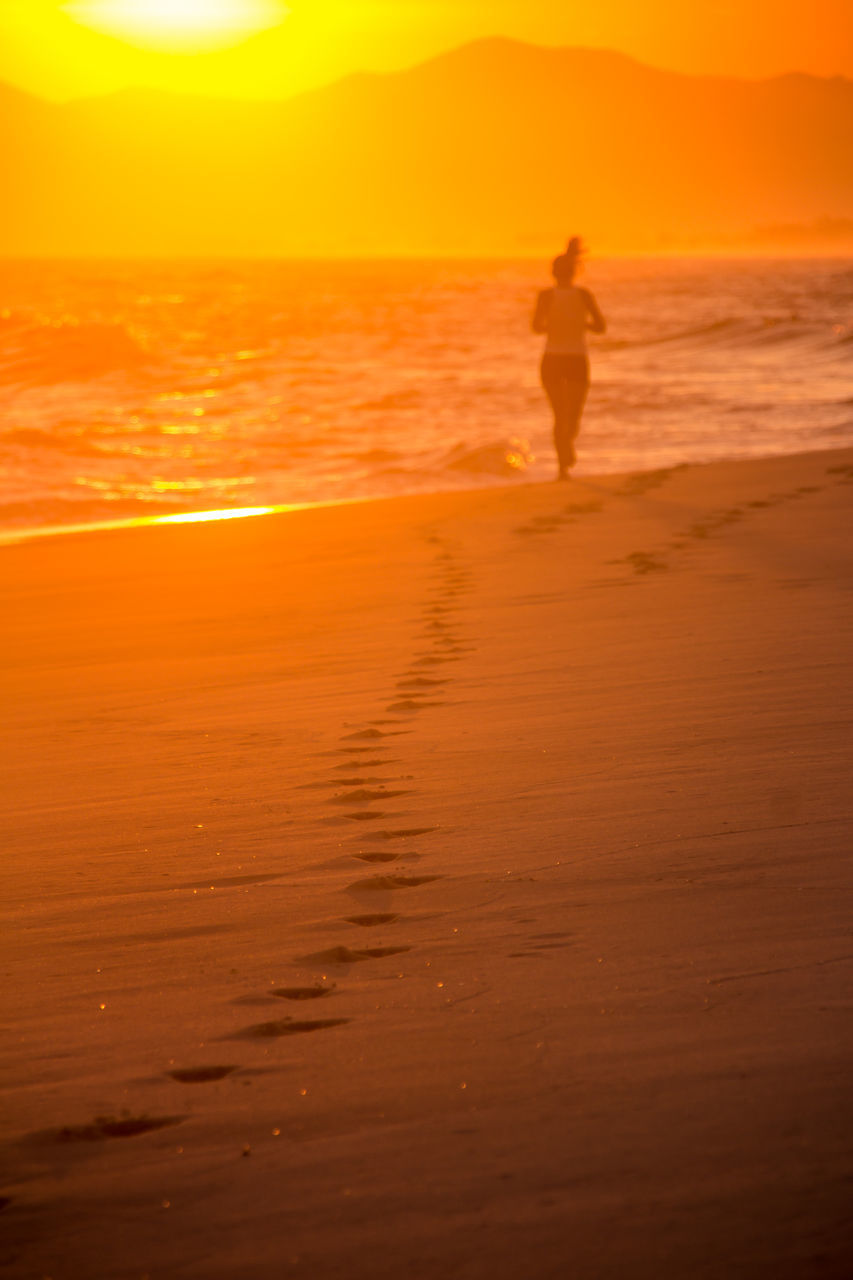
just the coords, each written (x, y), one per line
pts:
(499, 458)
(46, 354)
(755, 333)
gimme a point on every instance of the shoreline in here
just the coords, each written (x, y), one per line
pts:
(14, 536)
(415, 885)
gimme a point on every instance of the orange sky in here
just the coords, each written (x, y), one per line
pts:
(42, 49)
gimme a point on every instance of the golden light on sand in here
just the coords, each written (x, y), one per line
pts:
(179, 26)
(26, 533)
(146, 522)
(200, 517)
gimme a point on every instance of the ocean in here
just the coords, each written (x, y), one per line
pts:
(138, 389)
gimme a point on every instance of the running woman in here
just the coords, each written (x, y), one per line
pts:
(565, 313)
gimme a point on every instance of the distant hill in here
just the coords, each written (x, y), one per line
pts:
(498, 148)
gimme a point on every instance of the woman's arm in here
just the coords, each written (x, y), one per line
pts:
(597, 323)
(540, 315)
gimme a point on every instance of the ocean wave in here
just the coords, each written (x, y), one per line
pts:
(500, 458)
(37, 439)
(32, 438)
(46, 354)
(394, 400)
(107, 409)
(740, 331)
(55, 510)
(373, 455)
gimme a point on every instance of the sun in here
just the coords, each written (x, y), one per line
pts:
(178, 26)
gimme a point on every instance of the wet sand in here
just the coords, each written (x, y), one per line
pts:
(450, 885)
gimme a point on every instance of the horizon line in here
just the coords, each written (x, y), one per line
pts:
(723, 253)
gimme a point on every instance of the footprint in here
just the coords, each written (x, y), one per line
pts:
(641, 481)
(347, 782)
(365, 764)
(404, 834)
(365, 796)
(370, 921)
(324, 786)
(199, 1075)
(642, 562)
(385, 883)
(288, 1027)
(582, 508)
(409, 704)
(346, 955)
(302, 993)
(111, 1127)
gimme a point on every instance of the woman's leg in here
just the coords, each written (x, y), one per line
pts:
(577, 386)
(566, 382)
(557, 389)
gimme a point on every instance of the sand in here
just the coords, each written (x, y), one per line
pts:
(453, 885)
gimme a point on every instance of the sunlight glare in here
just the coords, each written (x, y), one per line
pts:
(179, 26)
(202, 517)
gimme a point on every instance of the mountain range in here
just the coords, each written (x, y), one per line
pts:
(496, 149)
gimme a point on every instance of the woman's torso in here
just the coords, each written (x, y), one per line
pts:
(567, 322)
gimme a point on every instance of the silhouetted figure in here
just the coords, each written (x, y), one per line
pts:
(565, 313)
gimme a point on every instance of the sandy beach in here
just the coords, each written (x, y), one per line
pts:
(449, 885)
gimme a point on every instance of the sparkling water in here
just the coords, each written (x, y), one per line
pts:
(139, 388)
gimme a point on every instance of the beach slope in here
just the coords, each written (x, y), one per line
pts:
(452, 885)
